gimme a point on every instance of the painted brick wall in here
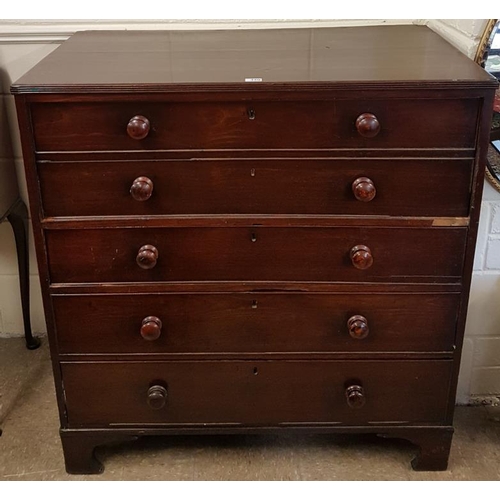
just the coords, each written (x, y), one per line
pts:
(480, 369)
(462, 33)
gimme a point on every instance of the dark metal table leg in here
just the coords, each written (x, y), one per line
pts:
(18, 218)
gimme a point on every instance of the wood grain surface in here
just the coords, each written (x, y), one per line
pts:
(98, 61)
(290, 252)
(225, 124)
(256, 392)
(256, 254)
(230, 324)
(405, 187)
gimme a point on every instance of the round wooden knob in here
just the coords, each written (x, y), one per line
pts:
(138, 127)
(361, 257)
(142, 189)
(147, 257)
(367, 125)
(358, 327)
(151, 328)
(355, 396)
(157, 397)
(364, 189)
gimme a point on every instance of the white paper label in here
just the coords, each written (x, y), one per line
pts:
(253, 79)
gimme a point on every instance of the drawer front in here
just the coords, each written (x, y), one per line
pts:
(255, 322)
(256, 254)
(256, 392)
(403, 123)
(400, 187)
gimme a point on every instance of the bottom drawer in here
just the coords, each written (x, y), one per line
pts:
(257, 393)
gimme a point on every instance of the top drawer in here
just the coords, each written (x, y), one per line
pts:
(390, 123)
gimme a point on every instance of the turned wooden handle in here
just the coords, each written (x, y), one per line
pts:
(157, 397)
(151, 328)
(147, 257)
(364, 189)
(142, 188)
(138, 127)
(361, 257)
(355, 396)
(357, 326)
(367, 125)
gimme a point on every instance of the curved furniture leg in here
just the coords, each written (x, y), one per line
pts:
(18, 218)
(434, 446)
(79, 450)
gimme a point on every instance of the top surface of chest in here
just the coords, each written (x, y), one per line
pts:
(371, 57)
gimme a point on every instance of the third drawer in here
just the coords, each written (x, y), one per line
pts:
(345, 254)
(180, 323)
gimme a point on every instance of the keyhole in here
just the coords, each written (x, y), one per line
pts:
(252, 172)
(251, 114)
(254, 304)
(254, 238)
(255, 371)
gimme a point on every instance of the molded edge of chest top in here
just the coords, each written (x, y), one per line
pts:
(368, 56)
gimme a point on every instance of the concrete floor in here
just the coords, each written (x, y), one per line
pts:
(30, 448)
(18, 367)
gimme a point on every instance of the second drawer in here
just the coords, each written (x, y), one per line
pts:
(255, 322)
(409, 187)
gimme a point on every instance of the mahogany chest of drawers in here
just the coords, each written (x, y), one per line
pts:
(255, 231)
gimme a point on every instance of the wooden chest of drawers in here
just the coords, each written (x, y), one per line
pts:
(256, 231)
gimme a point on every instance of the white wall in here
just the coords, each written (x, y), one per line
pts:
(15, 60)
(462, 33)
(23, 44)
(480, 370)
